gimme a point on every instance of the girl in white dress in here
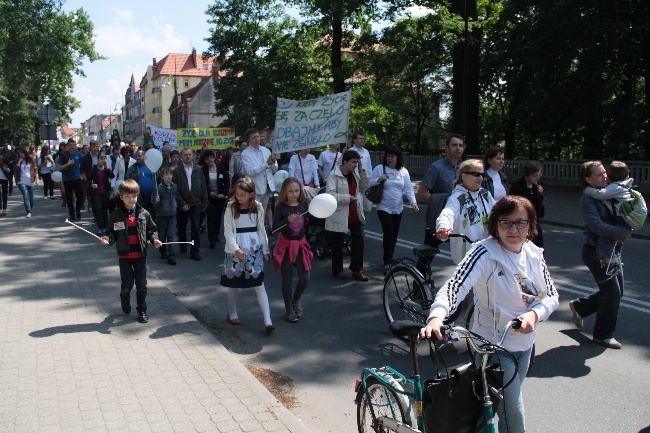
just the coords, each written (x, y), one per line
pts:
(247, 249)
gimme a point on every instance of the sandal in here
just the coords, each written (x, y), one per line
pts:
(291, 318)
(297, 309)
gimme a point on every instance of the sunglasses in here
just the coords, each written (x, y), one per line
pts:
(476, 173)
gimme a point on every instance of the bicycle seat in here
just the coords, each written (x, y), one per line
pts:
(425, 251)
(404, 328)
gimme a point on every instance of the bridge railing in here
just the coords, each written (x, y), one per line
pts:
(562, 173)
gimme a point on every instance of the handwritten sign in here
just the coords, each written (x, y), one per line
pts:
(311, 123)
(214, 138)
(160, 135)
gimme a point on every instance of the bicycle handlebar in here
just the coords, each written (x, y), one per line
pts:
(452, 235)
(452, 332)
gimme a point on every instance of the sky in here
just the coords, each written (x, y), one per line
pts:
(130, 34)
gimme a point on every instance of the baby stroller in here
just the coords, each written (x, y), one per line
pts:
(317, 235)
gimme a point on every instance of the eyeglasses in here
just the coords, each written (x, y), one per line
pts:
(475, 173)
(520, 224)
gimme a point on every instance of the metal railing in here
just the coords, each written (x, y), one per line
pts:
(562, 173)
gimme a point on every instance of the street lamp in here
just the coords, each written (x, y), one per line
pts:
(123, 117)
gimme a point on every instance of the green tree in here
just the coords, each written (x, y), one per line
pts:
(41, 48)
(265, 54)
(408, 69)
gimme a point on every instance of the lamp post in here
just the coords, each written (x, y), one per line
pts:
(123, 117)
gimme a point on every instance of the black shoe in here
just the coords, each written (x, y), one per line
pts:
(202, 228)
(213, 245)
(142, 317)
(163, 257)
(195, 256)
(63, 204)
(171, 261)
(78, 216)
(183, 250)
(126, 306)
(71, 217)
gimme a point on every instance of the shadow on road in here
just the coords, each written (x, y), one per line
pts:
(566, 361)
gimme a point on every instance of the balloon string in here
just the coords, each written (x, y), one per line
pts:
(280, 228)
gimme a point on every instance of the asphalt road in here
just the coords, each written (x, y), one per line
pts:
(574, 386)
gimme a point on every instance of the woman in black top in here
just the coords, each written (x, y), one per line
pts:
(529, 188)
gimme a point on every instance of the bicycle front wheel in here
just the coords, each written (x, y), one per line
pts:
(405, 297)
(385, 403)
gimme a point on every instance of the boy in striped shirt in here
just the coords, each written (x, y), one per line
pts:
(130, 227)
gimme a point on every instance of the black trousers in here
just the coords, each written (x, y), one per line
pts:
(100, 209)
(74, 188)
(134, 271)
(431, 240)
(390, 227)
(4, 185)
(356, 255)
(214, 214)
(48, 184)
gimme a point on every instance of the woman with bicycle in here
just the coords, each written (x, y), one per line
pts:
(467, 209)
(397, 181)
(510, 280)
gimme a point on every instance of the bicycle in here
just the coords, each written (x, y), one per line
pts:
(389, 401)
(408, 293)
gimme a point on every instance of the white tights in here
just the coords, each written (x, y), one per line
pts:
(262, 300)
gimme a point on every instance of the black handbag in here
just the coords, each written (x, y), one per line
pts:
(375, 192)
(453, 403)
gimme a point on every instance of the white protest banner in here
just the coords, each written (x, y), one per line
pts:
(160, 135)
(311, 123)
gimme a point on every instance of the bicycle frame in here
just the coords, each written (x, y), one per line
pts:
(396, 381)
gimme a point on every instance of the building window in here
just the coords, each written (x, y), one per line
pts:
(187, 83)
(205, 66)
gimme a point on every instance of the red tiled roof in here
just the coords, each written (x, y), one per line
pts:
(185, 65)
(68, 131)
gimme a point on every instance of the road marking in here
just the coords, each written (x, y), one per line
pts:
(567, 286)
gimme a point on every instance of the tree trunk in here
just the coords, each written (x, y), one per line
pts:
(338, 76)
(465, 70)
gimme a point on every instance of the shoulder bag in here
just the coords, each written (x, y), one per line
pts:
(375, 192)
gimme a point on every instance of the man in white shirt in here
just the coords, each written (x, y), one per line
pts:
(357, 145)
(259, 165)
(304, 168)
(327, 160)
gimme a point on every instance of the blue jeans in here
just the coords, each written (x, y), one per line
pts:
(134, 271)
(606, 301)
(194, 216)
(28, 196)
(167, 232)
(512, 418)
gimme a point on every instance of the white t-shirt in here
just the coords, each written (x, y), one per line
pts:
(398, 183)
(365, 158)
(25, 175)
(309, 170)
(499, 190)
(326, 161)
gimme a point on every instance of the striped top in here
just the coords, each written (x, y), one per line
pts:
(135, 252)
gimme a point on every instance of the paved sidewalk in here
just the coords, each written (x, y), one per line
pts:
(71, 361)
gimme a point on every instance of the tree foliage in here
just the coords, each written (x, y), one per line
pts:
(265, 54)
(41, 48)
(550, 79)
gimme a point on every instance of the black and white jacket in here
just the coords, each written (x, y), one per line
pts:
(501, 293)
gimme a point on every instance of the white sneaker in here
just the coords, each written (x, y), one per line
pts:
(29, 215)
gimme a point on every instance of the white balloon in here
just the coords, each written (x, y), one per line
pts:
(57, 176)
(153, 159)
(322, 206)
(279, 177)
